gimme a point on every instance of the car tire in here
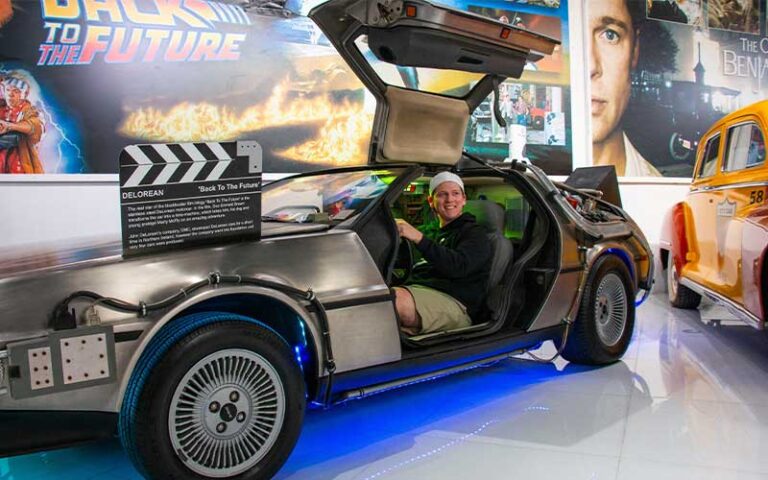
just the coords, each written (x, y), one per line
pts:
(679, 295)
(213, 396)
(603, 328)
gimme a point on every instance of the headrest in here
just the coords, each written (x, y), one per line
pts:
(487, 213)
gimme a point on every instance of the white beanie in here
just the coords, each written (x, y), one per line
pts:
(443, 177)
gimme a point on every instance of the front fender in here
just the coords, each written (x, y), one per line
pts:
(126, 370)
(677, 236)
(619, 250)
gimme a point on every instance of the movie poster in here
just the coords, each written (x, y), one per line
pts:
(663, 71)
(97, 76)
(81, 79)
(536, 107)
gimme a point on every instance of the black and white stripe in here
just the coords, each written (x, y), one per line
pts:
(163, 164)
(228, 13)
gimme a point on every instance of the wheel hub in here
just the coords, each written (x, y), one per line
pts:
(227, 409)
(226, 413)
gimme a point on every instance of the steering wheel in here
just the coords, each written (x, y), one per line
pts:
(403, 267)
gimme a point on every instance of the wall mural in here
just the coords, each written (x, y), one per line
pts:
(81, 79)
(663, 71)
(536, 107)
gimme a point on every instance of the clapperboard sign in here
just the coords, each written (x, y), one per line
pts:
(186, 194)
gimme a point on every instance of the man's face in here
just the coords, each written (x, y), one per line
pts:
(13, 96)
(613, 55)
(448, 200)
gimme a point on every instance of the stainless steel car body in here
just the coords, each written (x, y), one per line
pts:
(330, 263)
(582, 243)
(303, 261)
(334, 263)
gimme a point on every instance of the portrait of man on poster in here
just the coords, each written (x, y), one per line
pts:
(614, 51)
(21, 127)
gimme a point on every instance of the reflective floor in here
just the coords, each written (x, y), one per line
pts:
(689, 400)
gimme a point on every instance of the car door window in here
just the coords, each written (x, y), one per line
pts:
(328, 197)
(745, 147)
(709, 161)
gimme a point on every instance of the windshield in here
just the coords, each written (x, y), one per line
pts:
(452, 83)
(324, 198)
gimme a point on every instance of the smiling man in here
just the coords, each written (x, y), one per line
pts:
(448, 287)
(614, 50)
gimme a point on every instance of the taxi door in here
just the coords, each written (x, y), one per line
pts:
(738, 190)
(701, 260)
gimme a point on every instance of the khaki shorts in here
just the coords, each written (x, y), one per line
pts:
(438, 311)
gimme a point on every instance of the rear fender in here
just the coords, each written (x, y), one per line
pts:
(617, 250)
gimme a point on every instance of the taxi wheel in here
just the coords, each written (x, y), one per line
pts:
(603, 328)
(679, 295)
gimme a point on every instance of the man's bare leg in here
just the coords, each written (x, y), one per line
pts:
(410, 321)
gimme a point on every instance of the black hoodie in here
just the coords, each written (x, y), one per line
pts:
(458, 262)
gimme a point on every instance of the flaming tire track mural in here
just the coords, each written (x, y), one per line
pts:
(341, 139)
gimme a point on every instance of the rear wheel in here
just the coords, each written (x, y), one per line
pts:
(224, 401)
(679, 295)
(603, 328)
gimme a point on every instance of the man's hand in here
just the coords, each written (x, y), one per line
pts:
(408, 231)
(4, 127)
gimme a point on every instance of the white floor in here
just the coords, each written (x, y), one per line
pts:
(688, 401)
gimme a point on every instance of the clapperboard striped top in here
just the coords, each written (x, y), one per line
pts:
(162, 164)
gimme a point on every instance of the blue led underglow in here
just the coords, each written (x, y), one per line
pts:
(302, 354)
(624, 257)
(385, 426)
(303, 333)
(643, 298)
(421, 380)
(535, 347)
(299, 356)
(372, 432)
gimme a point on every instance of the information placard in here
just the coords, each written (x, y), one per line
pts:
(188, 194)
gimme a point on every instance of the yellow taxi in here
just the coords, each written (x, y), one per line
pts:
(714, 242)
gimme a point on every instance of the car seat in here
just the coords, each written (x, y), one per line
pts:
(491, 215)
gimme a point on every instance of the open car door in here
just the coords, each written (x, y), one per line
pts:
(413, 125)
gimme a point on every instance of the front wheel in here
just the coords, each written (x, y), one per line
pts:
(224, 401)
(603, 328)
(679, 295)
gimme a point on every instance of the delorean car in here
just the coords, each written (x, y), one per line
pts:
(204, 360)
